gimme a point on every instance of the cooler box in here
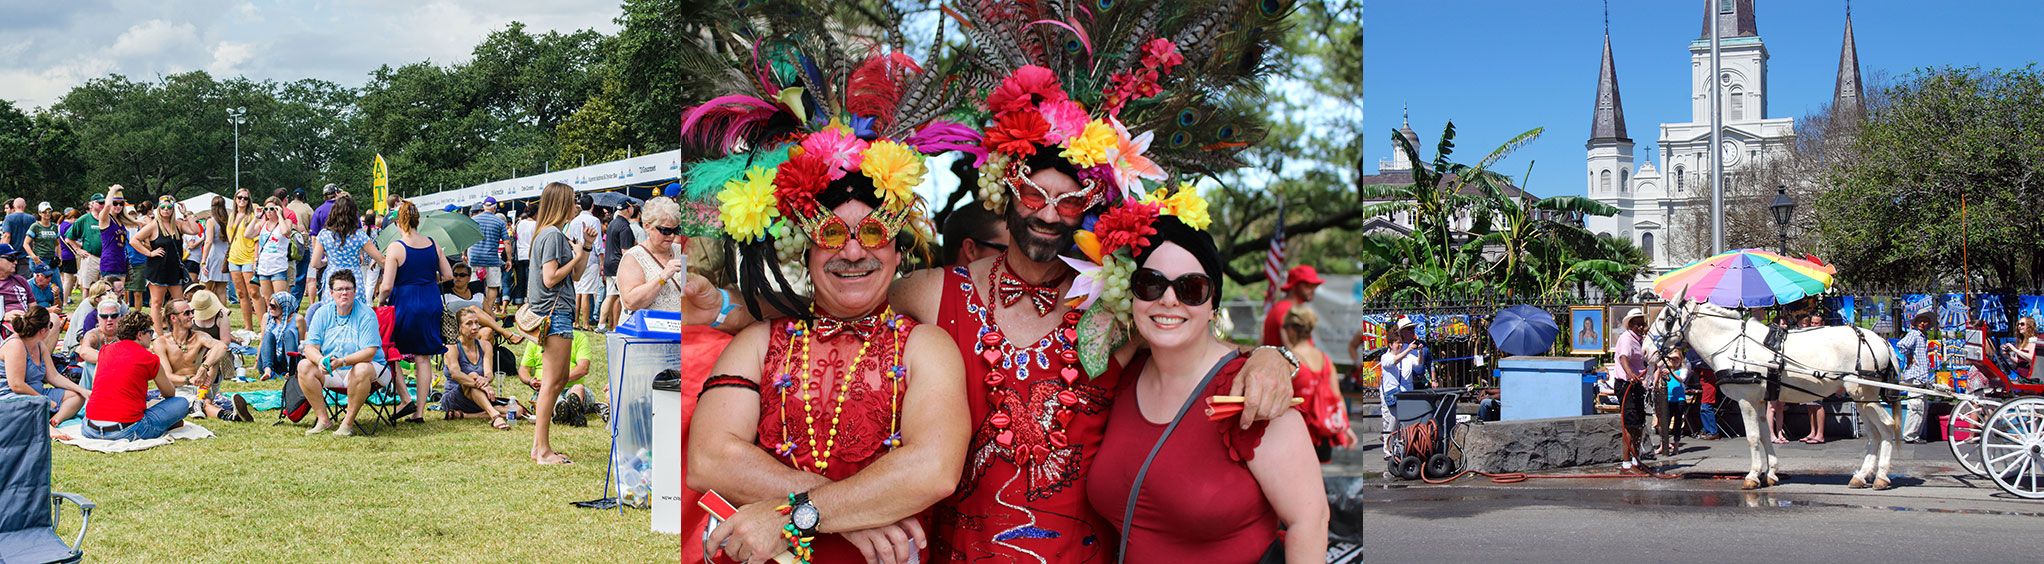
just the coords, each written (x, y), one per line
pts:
(1539, 387)
(639, 350)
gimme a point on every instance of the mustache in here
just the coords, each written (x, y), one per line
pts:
(840, 266)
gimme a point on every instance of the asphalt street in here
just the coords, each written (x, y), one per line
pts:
(1937, 512)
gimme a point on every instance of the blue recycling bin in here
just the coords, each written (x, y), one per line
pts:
(1538, 387)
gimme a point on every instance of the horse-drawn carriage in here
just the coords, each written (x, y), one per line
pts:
(1997, 429)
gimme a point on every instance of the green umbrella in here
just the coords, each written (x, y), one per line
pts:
(454, 232)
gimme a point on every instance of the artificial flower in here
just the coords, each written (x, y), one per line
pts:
(1161, 54)
(1017, 133)
(896, 170)
(1086, 286)
(1028, 87)
(1188, 207)
(747, 206)
(837, 147)
(1090, 147)
(1129, 226)
(1130, 165)
(797, 182)
(1067, 119)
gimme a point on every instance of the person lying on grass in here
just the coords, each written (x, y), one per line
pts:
(469, 393)
(25, 363)
(126, 369)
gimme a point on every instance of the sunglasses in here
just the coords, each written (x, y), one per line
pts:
(675, 231)
(1070, 205)
(833, 234)
(109, 316)
(1193, 289)
(990, 244)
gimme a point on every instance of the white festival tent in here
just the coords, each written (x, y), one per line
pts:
(635, 171)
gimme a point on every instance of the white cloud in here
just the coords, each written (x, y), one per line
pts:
(228, 57)
(153, 37)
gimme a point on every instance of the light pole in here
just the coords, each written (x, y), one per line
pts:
(1784, 210)
(234, 115)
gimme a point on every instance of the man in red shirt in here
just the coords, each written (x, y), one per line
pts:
(1300, 284)
(118, 408)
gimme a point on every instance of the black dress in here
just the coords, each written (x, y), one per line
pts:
(167, 269)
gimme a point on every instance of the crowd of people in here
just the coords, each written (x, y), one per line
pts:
(103, 304)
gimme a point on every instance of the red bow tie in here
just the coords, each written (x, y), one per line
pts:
(1008, 290)
(826, 327)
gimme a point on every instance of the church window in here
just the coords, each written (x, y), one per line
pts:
(1738, 103)
(1604, 181)
(1646, 244)
(1623, 177)
(1679, 180)
(1724, 6)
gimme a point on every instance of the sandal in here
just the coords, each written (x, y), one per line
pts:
(560, 459)
(500, 423)
(409, 408)
(1812, 441)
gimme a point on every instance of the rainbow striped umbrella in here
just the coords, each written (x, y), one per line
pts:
(1746, 278)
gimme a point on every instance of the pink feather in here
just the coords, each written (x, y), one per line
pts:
(722, 121)
(940, 136)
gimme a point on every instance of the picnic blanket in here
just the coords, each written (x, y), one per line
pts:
(262, 400)
(73, 434)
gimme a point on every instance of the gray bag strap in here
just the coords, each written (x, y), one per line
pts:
(1128, 514)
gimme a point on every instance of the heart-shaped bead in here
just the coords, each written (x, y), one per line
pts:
(1069, 374)
(1071, 335)
(992, 356)
(1063, 418)
(1006, 438)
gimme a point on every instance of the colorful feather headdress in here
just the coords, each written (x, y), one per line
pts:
(1076, 78)
(806, 116)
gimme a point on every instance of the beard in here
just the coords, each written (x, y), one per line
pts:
(1035, 246)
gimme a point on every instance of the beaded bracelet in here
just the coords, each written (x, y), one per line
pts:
(797, 544)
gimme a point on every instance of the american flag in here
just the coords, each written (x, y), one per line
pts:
(1274, 260)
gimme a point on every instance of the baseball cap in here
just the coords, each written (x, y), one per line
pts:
(330, 189)
(1403, 322)
(451, 207)
(1302, 274)
(9, 252)
(42, 207)
(97, 198)
(490, 200)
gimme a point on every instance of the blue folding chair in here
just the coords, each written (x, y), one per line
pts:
(29, 511)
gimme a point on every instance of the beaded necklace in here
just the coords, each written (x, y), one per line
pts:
(800, 331)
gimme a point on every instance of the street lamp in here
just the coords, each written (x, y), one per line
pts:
(234, 115)
(1784, 210)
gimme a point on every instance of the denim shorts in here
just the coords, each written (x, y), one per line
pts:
(281, 276)
(562, 322)
(249, 268)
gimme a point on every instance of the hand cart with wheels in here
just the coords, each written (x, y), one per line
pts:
(1426, 427)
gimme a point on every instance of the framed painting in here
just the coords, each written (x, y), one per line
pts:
(1587, 329)
(1615, 315)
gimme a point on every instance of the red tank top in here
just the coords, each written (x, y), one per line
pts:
(871, 415)
(1037, 426)
(1199, 502)
(1325, 419)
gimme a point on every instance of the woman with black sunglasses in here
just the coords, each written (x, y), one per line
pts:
(647, 275)
(1214, 492)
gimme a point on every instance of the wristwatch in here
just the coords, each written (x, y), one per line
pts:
(802, 515)
(1287, 353)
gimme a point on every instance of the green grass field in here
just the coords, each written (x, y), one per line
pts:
(442, 491)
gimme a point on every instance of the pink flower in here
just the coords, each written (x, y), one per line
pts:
(838, 149)
(1028, 87)
(1067, 119)
(1130, 165)
(1161, 54)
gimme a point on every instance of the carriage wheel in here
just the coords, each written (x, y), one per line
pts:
(1970, 415)
(2012, 447)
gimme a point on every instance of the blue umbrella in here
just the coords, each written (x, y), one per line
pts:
(1523, 330)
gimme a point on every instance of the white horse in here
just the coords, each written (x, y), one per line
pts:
(1813, 360)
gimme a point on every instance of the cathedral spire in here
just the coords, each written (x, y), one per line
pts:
(1608, 122)
(1848, 95)
(1735, 18)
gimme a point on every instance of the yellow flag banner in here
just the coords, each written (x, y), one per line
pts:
(380, 185)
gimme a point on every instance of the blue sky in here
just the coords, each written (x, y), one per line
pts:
(1500, 67)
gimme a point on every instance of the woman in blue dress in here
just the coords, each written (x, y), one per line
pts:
(413, 268)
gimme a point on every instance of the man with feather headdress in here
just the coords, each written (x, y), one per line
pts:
(1066, 84)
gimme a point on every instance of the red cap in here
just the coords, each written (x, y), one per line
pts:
(1302, 274)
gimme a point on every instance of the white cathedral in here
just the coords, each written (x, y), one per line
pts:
(1649, 197)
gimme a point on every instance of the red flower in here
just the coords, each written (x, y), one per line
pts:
(1126, 226)
(1029, 86)
(1017, 133)
(1161, 54)
(797, 182)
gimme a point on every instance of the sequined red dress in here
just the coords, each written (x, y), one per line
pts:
(1037, 425)
(871, 417)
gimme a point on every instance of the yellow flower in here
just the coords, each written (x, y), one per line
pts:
(1187, 205)
(896, 170)
(1089, 148)
(747, 206)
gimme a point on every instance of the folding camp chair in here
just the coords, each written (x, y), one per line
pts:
(29, 511)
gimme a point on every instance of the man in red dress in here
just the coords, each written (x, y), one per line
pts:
(1299, 286)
